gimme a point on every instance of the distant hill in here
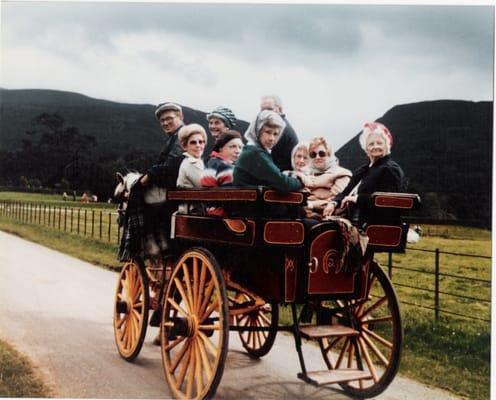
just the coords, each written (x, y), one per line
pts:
(445, 148)
(116, 126)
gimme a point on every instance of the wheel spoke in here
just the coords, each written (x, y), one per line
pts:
(198, 370)
(180, 288)
(342, 353)
(366, 355)
(211, 308)
(184, 367)
(351, 353)
(177, 307)
(174, 343)
(205, 361)
(208, 294)
(208, 343)
(386, 318)
(201, 287)
(196, 286)
(264, 318)
(378, 338)
(377, 304)
(191, 372)
(185, 350)
(187, 280)
(376, 351)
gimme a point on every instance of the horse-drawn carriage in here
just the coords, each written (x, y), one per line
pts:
(233, 273)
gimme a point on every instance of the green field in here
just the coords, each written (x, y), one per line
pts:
(435, 352)
(53, 200)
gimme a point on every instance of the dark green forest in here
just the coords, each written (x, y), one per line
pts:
(67, 141)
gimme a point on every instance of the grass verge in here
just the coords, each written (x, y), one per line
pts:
(87, 249)
(17, 375)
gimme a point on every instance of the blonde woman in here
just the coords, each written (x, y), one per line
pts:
(324, 177)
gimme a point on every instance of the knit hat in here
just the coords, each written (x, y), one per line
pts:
(187, 130)
(378, 128)
(225, 138)
(225, 114)
(167, 107)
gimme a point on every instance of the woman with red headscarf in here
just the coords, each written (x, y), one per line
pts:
(380, 174)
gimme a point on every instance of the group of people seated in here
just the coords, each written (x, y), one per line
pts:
(315, 168)
(269, 155)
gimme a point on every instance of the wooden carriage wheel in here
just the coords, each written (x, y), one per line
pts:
(131, 310)
(378, 345)
(195, 326)
(257, 343)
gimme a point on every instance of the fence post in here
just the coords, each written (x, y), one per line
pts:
(390, 265)
(436, 284)
(65, 219)
(110, 225)
(60, 215)
(92, 223)
(101, 224)
(72, 217)
(118, 233)
(85, 220)
(79, 219)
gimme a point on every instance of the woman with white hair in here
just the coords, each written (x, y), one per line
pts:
(255, 166)
(299, 158)
(380, 174)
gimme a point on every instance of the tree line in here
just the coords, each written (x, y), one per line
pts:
(53, 155)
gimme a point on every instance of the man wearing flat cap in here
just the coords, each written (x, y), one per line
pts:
(163, 174)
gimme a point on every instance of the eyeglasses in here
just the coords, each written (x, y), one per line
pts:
(321, 154)
(195, 142)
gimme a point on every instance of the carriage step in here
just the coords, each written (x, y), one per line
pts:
(323, 331)
(327, 377)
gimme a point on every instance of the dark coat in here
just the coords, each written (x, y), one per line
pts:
(164, 172)
(281, 153)
(383, 176)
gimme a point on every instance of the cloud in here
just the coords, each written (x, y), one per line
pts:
(335, 66)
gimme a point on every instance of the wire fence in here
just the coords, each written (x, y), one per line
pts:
(437, 288)
(95, 223)
(431, 286)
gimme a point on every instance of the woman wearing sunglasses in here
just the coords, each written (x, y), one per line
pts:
(192, 138)
(380, 174)
(324, 177)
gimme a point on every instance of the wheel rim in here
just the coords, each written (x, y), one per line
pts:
(257, 343)
(379, 342)
(194, 330)
(130, 311)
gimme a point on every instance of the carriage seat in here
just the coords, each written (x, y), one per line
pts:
(384, 226)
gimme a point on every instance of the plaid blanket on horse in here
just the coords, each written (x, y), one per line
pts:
(133, 233)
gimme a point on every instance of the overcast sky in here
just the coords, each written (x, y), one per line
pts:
(334, 66)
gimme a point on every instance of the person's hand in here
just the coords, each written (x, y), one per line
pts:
(144, 180)
(319, 204)
(329, 210)
(349, 199)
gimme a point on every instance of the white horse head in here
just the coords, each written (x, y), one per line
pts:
(124, 185)
(153, 194)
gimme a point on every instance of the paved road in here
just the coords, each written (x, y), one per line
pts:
(58, 310)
